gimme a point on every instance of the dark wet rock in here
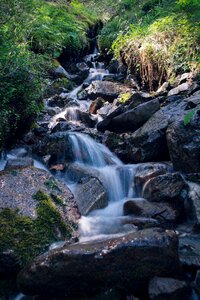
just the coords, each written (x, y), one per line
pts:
(161, 288)
(197, 281)
(143, 208)
(58, 101)
(193, 101)
(179, 89)
(104, 111)
(148, 143)
(140, 222)
(134, 118)
(146, 171)
(82, 116)
(9, 263)
(106, 90)
(57, 145)
(184, 143)
(194, 89)
(61, 126)
(189, 251)
(167, 187)
(52, 111)
(90, 195)
(19, 162)
(137, 98)
(194, 204)
(114, 77)
(95, 105)
(122, 262)
(117, 144)
(82, 95)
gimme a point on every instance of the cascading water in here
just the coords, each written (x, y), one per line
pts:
(72, 113)
(115, 176)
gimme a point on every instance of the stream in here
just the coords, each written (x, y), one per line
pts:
(116, 177)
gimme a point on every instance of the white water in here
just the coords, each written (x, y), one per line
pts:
(117, 179)
(72, 113)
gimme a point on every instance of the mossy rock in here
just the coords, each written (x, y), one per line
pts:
(26, 238)
(35, 211)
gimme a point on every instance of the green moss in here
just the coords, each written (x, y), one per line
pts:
(57, 199)
(62, 83)
(51, 184)
(124, 97)
(29, 238)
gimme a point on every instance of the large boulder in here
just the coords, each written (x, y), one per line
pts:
(90, 195)
(132, 119)
(35, 211)
(184, 142)
(166, 187)
(96, 266)
(148, 143)
(146, 171)
(105, 89)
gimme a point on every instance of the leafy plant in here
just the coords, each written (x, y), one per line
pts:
(189, 116)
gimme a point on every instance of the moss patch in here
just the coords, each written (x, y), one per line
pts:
(29, 238)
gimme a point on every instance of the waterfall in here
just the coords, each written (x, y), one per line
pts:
(116, 178)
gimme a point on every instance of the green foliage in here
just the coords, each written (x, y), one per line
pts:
(189, 116)
(32, 32)
(163, 43)
(29, 238)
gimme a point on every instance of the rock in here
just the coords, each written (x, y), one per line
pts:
(193, 101)
(19, 162)
(197, 280)
(168, 288)
(122, 262)
(189, 251)
(184, 144)
(90, 195)
(194, 204)
(167, 187)
(61, 72)
(76, 172)
(134, 118)
(184, 77)
(146, 171)
(140, 222)
(95, 105)
(52, 111)
(143, 208)
(184, 87)
(148, 143)
(57, 101)
(82, 95)
(163, 89)
(57, 145)
(60, 126)
(75, 114)
(104, 110)
(9, 263)
(106, 90)
(19, 187)
(31, 198)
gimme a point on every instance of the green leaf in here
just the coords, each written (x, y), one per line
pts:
(188, 117)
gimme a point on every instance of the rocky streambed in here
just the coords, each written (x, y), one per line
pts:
(117, 187)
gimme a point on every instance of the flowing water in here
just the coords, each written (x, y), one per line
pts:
(72, 113)
(116, 178)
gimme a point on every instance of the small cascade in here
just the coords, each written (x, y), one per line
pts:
(72, 113)
(117, 179)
